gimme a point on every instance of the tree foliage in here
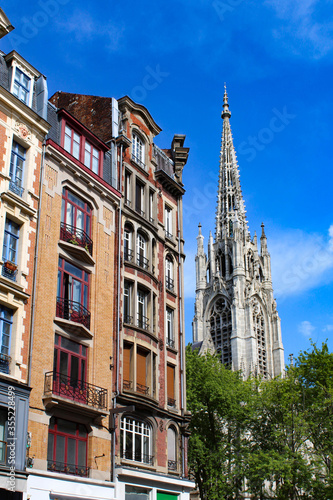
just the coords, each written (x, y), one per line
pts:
(271, 439)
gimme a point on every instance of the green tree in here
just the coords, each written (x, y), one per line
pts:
(217, 399)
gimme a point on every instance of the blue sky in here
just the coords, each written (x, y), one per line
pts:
(174, 57)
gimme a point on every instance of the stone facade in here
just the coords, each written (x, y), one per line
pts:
(235, 310)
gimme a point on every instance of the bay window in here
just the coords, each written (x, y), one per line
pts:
(142, 307)
(69, 369)
(91, 157)
(141, 249)
(75, 220)
(72, 142)
(72, 294)
(128, 250)
(78, 146)
(128, 289)
(67, 447)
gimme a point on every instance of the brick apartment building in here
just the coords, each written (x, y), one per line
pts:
(148, 418)
(23, 127)
(91, 285)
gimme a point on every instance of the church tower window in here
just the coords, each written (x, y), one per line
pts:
(220, 329)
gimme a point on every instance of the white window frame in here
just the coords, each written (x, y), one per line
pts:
(138, 150)
(168, 222)
(18, 87)
(141, 432)
(170, 323)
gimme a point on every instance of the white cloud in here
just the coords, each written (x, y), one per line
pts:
(306, 328)
(304, 29)
(300, 261)
(328, 328)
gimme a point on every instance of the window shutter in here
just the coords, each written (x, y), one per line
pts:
(141, 366)
(127, 363)
(171, 381)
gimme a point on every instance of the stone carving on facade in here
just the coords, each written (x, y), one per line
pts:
(22, 130)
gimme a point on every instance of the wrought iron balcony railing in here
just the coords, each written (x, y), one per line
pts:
(142, 389)
(169, 283)
(172, 465)
(73, 311)
(76, 390)
(171, 402)
(138, 161)
(138, 457)
(128, 255)
(142, 261)
(143, 322)
(9, 270)
(170, 342)
(4, 365)
(15, 185)
(65, 468)
(76, 236)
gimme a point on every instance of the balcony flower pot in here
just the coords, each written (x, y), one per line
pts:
(11, 266)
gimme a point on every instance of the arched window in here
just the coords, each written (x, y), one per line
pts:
(138, 150)
(141, 251)
(128, 244)
(75, 220)
(221, 328)
(169, 281)
(136, 440)
(172, 449)
(259, 333)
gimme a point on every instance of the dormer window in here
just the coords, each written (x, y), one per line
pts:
(21, 86)
(138, 150)
(78, 146)
(72, 142)
(91, 157)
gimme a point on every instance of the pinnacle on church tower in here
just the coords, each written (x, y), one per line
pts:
(235, 310)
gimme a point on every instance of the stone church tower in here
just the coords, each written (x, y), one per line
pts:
(235, 311)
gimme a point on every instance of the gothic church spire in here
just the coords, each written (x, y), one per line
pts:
(230, 203)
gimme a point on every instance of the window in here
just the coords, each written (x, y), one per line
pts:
(128, 250)
(127, 372)
(67, 447)
(172, 449)
(138, 150)
(3, 435)
(16, 168)
(169, 282)
(142, 300)
(151, 206)
(21, 87)
(168, 222)
(141, 249)
(72, 295)
(171, 385)
(69, 369)
(139, 198)
(142, 369)
(91, 157)
(72, 142)
(136, 440)
(221, 328)
(9, 251)
(75, 221)
(128, 288)
(79, 147)
(259, 334)
(127, 189)
(170, 333)
(134, 493)
(6, 322)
